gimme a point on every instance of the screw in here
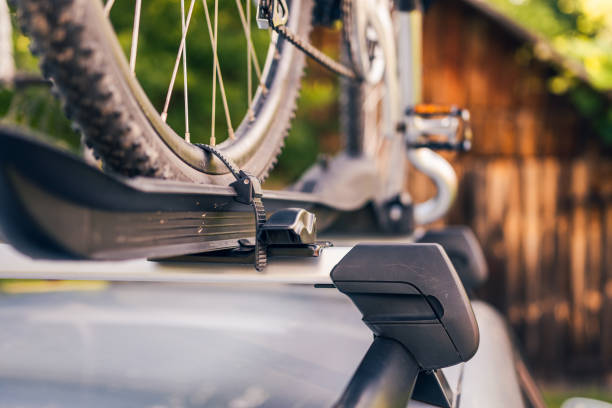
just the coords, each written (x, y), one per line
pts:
(395, 212)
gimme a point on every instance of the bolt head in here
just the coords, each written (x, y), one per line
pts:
(395, 213)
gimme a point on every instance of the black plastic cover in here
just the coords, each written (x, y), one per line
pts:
(54, 205)
(289, 226)
(464, 251)
(411, 293)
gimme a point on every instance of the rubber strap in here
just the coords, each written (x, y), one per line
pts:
(252, 197)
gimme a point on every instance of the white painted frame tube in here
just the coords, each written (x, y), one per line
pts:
(410, 56)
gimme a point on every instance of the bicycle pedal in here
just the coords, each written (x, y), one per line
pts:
(437, 127)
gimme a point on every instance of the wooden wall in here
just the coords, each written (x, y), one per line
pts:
(536, 189)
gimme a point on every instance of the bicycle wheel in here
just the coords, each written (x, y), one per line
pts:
(82, 54)
(370, 109)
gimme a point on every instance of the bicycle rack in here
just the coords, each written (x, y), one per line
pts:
(409, 294)
(413, 301)
(54, 205)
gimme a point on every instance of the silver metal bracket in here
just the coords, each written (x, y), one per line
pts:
(272, 13)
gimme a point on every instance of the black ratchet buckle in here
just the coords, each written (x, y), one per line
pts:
(290, 231)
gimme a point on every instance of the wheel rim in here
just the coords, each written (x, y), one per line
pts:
(375, 57)
(372, 21)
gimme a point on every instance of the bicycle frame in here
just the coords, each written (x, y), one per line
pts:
(409, 46)
(409, 52)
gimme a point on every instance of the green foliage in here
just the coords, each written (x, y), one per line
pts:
(35, 107)
(315, 123)
(299, 153)
(578, 29)
(581, 30)
(158, 43)
(24, 60)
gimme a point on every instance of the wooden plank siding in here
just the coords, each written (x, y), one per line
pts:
(536, 189)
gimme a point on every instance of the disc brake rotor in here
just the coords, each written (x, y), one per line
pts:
(369, 37)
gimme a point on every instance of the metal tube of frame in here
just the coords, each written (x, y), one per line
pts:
(385, 377)
(410, 55)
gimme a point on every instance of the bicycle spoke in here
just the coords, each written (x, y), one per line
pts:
(249, 64)
(185, 87)
(230, 129)
(213, 140)
(254, 69)
(164, 114)
(135, 31)
(108, 6)
(247, 33)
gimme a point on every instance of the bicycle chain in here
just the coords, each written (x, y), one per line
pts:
(315, 53)
(241, 176)
(309, 49)
(347, 31)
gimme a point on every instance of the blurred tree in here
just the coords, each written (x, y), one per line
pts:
(34, 107)
(582, 31)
